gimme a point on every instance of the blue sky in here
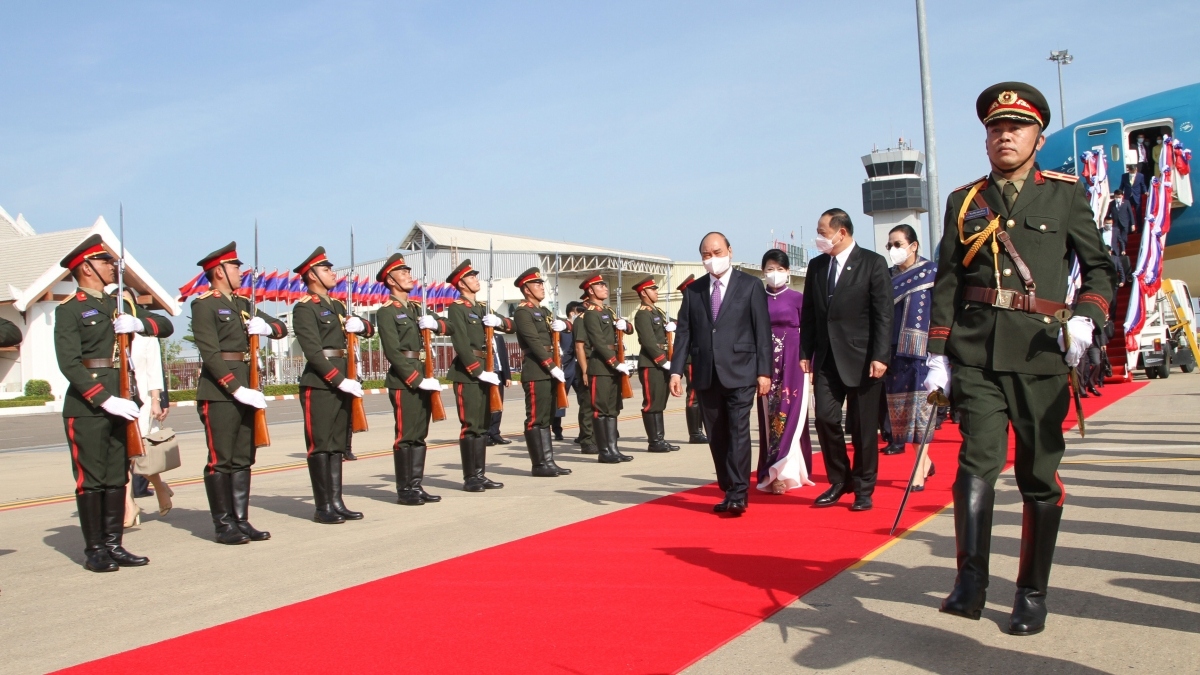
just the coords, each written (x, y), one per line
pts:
(635, 124)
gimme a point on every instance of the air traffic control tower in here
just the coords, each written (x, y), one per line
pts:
(894, 193)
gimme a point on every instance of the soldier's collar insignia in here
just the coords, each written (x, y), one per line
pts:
(216, 294)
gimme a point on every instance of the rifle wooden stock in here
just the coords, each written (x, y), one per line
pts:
(262, 436)
(435, 397)
(670, 346)
(626, 389)
(495, 400)
(560, 388)
(133, 430)
(358, 414)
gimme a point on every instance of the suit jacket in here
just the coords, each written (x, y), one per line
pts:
(1122, 216)
(505, 371)
(566, 343)
(738, 346)
(1134, 190)
(855, 326)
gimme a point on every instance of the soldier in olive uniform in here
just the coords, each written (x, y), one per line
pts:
(600, 329)
(583, 390)
(534, 324)
(996, 343)
(652, 326)
(321, 324)
(400, 322)
(695, 416)
(10, 335)
(222, 324)
(85, 329)
(468, 318)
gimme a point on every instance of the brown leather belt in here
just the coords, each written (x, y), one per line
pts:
(480, 353)
(413, 355)
(334, 353)
(235, 356)
(97, 363)
(1009, 299)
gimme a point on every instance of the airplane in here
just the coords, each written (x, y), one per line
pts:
(1175, 112)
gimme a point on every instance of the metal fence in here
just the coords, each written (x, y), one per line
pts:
(372, 365)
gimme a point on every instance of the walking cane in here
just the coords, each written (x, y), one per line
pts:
(936, 399)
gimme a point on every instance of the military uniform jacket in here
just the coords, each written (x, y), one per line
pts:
(532, 324)
(398, 332)
(469, 339)
(83, 329)
(318, 324)
(651, 325)
(1050, 219)
(219, 325)
(10, 335)
(600, 338)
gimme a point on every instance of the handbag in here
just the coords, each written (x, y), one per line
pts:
(162, 453)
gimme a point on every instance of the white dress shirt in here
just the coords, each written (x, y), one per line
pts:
(841, 262)
(719, 282)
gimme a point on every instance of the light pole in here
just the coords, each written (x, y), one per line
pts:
(931, 176)
(1062, 58)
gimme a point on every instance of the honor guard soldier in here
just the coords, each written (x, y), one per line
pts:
(600, 329)
(583, 390)
(1001, 343)
(10, 335)
(534, 324)
(321, 324)
(222, 324)
(691, 410)
(467, 319)
(85, 328)
(400, 322)
(652, 326)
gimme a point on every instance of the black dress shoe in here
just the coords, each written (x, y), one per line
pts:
(893, 449)
(349, 455)
(1093, 390)
(499, 440)
(862, 503)
(722, 507)
(830, 496)
(917, 488)
(737, 507)
(932, 470)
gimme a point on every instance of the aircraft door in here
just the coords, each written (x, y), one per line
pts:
(1107, 135)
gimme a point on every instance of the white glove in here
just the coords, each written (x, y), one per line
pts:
(125, 323)
(622, 325)
(427, 323)
(558, 325)
(492, 321)
(666, 365)
(939, 374)
(624, 368)
(490, 378)
(1079, 328)
(120, 407)
(351, 387)
(429, 384)
(257, 326)
(670, 326)
(355, 325)
(251, 397)
(557, 374)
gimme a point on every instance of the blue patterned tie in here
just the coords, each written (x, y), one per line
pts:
(716, 300)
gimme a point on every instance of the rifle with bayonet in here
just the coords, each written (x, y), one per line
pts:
(435, 397)
(495, 400)
(127, 389)
(262, 436)
(358, 413)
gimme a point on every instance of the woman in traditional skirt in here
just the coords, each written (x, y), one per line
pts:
(784, 448)
(912, 288)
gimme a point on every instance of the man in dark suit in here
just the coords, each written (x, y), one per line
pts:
(725, 327)
(1122, 221)
(845, 331)
(504, 371)
(1133, 186)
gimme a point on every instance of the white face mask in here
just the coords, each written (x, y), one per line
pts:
(898, 254)
(823, 245)
(777, 278)
(717, 266)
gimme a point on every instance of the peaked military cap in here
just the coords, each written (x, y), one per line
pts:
(91, 248)
(686, 282)
(642, 285)
(463, 270)
(225, 254)
(588, 283)
(1013, 101)
(317, 258)
(395, 262)
(531, 274)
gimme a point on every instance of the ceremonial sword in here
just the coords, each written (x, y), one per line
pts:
(935, 399)
(1064, 315)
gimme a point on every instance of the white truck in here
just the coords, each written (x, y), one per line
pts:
(1168, 337)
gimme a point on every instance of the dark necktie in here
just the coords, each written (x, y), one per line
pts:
(832, 281)
(1010, 195)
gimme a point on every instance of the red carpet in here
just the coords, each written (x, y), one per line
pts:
(648, 589)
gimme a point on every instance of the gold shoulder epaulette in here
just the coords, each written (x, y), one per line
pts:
(968, 185)
(204, 295)
(303, 300)
(67, 299)
(1064, 177)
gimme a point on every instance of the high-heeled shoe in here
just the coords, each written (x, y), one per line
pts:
(164, 494)
(136, 518)
(932, 470)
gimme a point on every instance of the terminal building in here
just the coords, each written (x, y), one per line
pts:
(894, 193)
